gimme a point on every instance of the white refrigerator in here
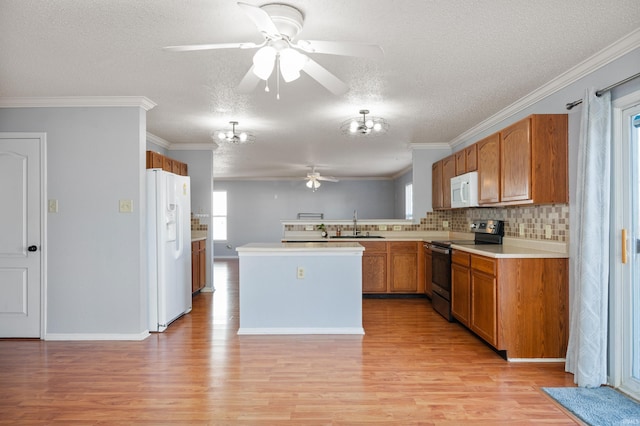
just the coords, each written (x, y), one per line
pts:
(169, 247)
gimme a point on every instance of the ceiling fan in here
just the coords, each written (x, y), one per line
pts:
(314, 178)
(280, 24)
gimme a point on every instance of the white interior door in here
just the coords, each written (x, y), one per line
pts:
(21, 235)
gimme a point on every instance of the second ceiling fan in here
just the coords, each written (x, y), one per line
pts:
(280, 24)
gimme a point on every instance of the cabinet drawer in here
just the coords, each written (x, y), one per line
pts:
(460, 258)
(483, 264)
(377, 246)
(403, 246)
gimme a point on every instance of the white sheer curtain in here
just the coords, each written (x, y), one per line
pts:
(589, 284)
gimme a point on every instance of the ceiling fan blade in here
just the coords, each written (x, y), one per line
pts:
(261, 19)
(328, 178)
(249, 82)
(193, 47)
(341, 48)
(325, 78)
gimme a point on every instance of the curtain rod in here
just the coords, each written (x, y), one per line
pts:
(606, 89)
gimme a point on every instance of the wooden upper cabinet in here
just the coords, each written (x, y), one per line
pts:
(448, 171)
(471, 155)
(489, 169)
(534, 160)
(461, 162)
(436, 185)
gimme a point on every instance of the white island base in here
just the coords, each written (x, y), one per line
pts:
(301, 288)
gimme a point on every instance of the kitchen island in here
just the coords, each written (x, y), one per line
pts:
(301, 288)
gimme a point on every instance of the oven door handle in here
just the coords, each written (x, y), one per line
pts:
(440, 250)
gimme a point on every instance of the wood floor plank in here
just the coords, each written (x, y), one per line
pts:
(411, 367)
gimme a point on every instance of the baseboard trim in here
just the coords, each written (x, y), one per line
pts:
(95, 336)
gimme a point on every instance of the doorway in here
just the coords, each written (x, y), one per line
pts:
(625, 259)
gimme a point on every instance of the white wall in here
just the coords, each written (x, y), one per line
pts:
(96, 282)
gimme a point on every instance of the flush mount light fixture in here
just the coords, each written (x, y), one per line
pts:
(232, 137)
(364, 125)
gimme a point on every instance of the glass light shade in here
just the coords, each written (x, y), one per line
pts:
(263, 62)
(313, 184)
(291, 62)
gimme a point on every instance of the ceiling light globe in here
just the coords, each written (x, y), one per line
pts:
(263, 62)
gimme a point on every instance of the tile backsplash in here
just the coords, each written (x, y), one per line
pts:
(533, 218)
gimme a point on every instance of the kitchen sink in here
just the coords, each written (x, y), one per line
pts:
(356, 236)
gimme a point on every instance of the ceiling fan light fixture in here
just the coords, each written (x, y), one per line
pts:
(364, 125)
(232, 137)
(263, 62)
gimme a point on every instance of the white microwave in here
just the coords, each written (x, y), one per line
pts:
(464, 190)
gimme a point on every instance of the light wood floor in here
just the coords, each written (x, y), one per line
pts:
(411, 367)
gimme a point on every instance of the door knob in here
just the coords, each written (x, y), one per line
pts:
(33, 248)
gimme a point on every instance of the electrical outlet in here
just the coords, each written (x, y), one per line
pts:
(53, 206)
(547, 232)
(126, 206)
(382, 227)
(521, 229)
(397, 227)
(445, 224)
(300, 273)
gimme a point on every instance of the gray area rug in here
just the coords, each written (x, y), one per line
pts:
(601, 406)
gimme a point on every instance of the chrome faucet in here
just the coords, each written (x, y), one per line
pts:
(355, 222)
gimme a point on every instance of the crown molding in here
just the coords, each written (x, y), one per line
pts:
(158, 140)
(436, 145)
(209, 146)
(77, 101)
(607, 55)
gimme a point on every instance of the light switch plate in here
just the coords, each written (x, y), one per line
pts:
(126, 206)
(53, 206)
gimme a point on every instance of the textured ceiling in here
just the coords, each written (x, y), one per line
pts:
(448, 65)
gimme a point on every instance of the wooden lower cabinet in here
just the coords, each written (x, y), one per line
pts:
(393, 267)
(517, 305)
(198, 265)
(461, 286)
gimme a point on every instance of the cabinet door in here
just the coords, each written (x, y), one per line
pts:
(448, 171)
(471, 154)
(427, 272)
(489, 169)
(436, 185)
(461, 162)
(374, 267)
(195, 266)
(461, 293)
(516, 161)
(202, 263)
(484, 306)
(404, 272)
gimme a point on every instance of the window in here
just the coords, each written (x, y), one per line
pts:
(219, 219)
(408, 201)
